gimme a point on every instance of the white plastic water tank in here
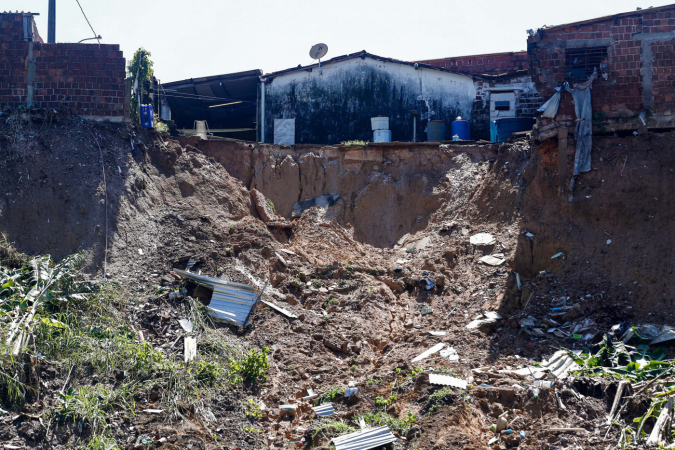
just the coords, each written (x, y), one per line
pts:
(379, 123)
(382, 136)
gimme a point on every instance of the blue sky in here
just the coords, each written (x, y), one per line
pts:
(189, 39)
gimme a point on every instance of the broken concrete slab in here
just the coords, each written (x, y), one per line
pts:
(493, 260)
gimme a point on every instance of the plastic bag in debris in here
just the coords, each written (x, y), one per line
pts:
(550, 108)
(428, 282)
(649, 334)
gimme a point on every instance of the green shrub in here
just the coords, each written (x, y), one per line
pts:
(252, 367)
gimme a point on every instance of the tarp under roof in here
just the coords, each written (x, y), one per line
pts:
(194, 98)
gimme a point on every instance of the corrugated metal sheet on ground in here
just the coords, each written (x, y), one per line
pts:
(446, 380)
(364, 440)
(231, 302)
(324, 410)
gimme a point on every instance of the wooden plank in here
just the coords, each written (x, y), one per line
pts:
(288, 314)
(431, 351)
(657, 431)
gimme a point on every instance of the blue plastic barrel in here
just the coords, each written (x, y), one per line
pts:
(502, 129)
(462, 129)
(435, 131)
(147, 118)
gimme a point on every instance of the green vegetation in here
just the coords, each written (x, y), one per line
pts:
(353, 143)
(51, 314)
(316, 283)
(252, 409)
(331, 428)
(380, 401)
(252, 367)
(329, 395)
(440, 398)
(331, 301)
(140, 69)
(269, 202)
(378, 419)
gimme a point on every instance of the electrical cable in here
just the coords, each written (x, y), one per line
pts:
(85, 18)
(175, 92)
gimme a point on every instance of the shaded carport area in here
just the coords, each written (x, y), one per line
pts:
(226, 102)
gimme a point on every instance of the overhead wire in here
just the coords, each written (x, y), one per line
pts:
(85, 18)
(175, 93)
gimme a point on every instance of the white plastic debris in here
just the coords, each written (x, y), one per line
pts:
(431, 351)
(482, 239)
(190, 349)
(186, 324)
(493, 260)
(450, 354)
(447, 380)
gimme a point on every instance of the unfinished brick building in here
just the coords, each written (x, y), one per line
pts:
(86, 78)
(504, 87)
(633, 56)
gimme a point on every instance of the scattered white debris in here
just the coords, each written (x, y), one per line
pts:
(153, 411)
(493, 260)
(324, 410)
(190, 349)
(364, 439)
(447, 380)
(186, 324)
(450, 354)
(431, 351)
(482, 239)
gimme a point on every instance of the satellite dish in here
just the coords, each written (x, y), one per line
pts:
(318, 51)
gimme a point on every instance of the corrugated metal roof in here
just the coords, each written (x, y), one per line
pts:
(364, 440)
(447, 380)
(324, 410)
(231, 302)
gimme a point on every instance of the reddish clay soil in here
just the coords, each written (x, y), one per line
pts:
(168, 203)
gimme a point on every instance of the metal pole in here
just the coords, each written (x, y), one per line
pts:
(262, 110)
(51, 23)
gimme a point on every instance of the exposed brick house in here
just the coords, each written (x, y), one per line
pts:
(86, 78)
(634, 55)
(503, 77)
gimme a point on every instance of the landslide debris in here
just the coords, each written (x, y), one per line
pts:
(107, 369)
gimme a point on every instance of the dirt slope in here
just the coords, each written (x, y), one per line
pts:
(351, 272)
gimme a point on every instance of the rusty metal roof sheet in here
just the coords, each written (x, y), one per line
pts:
(365, 439)
(231, 302)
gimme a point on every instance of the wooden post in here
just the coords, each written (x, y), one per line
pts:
(655, 437)
(562, 158)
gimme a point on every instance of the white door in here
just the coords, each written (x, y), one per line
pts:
(502, 104)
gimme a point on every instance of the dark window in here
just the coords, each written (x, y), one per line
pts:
(502, 106)
(580, 62)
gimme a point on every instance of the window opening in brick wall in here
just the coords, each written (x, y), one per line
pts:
(502, 106)
(580, 62)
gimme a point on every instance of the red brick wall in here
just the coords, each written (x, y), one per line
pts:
(86, 78)
(621, 95)
(492, 64)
